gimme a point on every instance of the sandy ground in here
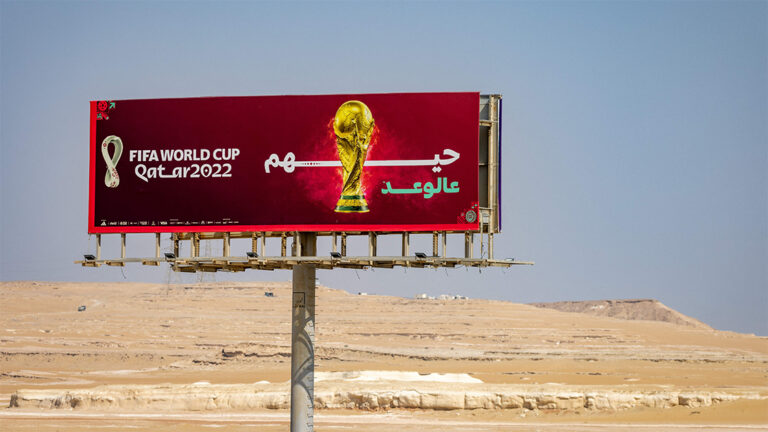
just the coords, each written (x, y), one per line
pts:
(230, 333)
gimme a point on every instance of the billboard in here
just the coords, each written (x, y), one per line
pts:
(360, 162)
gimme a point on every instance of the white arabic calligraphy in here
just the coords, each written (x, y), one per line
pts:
(289, 163)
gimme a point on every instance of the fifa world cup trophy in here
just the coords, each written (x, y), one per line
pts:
(353, 127)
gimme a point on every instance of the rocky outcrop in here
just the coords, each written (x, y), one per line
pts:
(376, 396)
(637, 309)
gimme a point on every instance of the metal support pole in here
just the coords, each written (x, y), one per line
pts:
(493, 163)
(445, 242)
(490, 245)
(226, 244)
(482, 227)
(157, 245)
(282, 244)
(303, 340)
(255, 244)
(334, 243)
(263, 244)
(176, 245)
(406, 244)
(195, 245)
(343, 244)
(434, 244)
(468, 244)
(371, 244)
(98, 246)
(122, 245)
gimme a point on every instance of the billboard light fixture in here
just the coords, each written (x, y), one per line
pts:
(89, 257)
(421, 255)
(252, 254)
(170, 255)
(336, 255)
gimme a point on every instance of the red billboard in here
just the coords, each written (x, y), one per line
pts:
(360, 162)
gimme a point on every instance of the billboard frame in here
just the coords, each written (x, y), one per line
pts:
(488, 131)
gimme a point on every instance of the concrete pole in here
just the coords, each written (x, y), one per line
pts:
(303, 339)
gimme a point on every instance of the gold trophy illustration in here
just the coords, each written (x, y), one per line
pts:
(353, 127)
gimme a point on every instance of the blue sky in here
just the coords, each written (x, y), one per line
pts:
(635, 137)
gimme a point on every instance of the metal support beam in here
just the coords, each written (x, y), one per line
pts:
(263, 244)
(226, 244)
(238, 263)
(468, 244)
(445, 243)
(493, 163)
(486, 249)
(490, 245)
(303, 339)
(483, 227)
(372, 244)
(195, 245)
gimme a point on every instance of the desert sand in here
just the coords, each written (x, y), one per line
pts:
(191, 357)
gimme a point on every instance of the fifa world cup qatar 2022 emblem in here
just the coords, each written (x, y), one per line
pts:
(111, 178)
(353, 126)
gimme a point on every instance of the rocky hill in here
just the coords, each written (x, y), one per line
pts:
(637, 309)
